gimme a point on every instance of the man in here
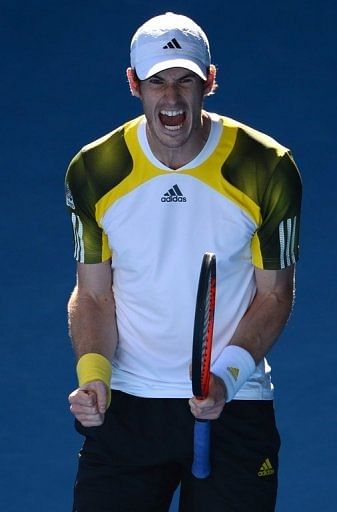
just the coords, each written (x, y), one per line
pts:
(146, 201)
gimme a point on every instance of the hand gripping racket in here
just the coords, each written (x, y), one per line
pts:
(201, 359)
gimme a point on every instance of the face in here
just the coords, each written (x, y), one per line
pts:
(172, 101)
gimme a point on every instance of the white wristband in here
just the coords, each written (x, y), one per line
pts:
(234, 365)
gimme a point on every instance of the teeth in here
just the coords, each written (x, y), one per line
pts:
(173, 128)
(171, 113)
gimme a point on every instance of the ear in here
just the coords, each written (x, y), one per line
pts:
(210, 83)
(133, 82)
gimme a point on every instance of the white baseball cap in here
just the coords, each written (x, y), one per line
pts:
(169, 41)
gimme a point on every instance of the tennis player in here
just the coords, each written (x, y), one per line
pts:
(146, 201)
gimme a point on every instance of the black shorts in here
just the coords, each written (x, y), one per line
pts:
(135, 461)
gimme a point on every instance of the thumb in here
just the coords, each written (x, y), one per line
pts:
(102, 394)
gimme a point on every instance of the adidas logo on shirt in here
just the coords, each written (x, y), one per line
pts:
(69, 198)
(172, 44)
(174, 195)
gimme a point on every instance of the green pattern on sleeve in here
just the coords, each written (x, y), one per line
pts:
(266, 172)
(95, 170)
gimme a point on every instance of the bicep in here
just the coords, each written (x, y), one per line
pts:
(95, 279)
(279, 282)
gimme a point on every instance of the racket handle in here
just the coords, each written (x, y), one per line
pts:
(201, 467)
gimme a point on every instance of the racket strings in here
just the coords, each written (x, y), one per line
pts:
(207, 333)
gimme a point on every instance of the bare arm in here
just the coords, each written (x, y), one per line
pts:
(91, 309)
(257, 331)
(268, 314)
(92, 327)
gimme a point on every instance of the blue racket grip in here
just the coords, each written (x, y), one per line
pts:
(201, 467)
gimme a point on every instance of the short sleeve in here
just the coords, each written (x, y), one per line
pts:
(90, 242)
(275, 244)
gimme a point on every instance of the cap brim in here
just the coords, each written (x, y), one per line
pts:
(145, 71)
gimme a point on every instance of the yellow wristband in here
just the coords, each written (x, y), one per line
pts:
(94, 367)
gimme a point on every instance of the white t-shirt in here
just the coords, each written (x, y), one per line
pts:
(239, 198)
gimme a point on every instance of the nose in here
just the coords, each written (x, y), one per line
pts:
(171, 93)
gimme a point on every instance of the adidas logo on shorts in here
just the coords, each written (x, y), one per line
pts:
(266, 469)
(174, 195)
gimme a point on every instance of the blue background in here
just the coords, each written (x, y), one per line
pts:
(63, 84)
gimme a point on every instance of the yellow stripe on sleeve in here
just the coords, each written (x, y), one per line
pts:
(256, 252)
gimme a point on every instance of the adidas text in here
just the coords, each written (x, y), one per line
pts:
(174, 199)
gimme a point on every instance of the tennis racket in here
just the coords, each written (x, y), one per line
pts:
(201, 359)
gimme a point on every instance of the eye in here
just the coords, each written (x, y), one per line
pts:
(155, 80)
(186, 80)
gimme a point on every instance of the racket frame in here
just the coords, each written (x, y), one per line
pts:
(201, 360)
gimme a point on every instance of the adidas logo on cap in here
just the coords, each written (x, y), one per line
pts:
(172, 44)
(174, 195)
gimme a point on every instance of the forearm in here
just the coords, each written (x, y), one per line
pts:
(92, 324)
(258, 329)
(263, 323)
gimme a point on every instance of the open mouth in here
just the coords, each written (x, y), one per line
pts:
(172, 119)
